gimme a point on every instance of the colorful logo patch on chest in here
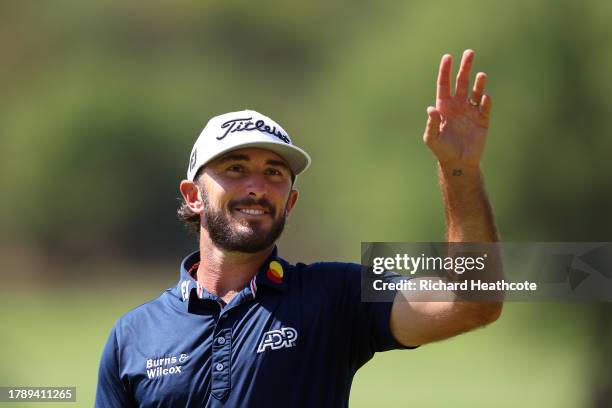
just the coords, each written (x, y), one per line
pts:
(275, 272)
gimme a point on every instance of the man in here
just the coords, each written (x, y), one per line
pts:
(243, 327)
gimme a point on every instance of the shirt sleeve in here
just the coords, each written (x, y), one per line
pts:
(111, 391)
(370, 321)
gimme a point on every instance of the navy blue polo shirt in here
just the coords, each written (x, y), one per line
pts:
(293, 337)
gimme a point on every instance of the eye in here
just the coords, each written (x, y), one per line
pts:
(235, 168)
(273, 172)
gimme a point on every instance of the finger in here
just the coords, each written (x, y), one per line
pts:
(432, 128)
(444, 72)
(478, 90)
(463, 76)
(485, 106)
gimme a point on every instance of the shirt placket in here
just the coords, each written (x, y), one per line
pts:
(222, 344)
(221, 355)
(221, 358)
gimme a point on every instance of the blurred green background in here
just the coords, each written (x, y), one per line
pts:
(102, 101)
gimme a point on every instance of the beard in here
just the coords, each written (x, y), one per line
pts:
(252, 236)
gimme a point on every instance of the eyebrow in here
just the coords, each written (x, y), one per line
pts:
(244, 157)
(234, 157)
(278, 163)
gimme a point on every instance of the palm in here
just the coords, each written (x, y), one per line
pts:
(457, 128)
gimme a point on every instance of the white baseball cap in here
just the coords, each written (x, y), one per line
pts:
(237, 130)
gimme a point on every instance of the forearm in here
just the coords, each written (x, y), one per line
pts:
(469, 216)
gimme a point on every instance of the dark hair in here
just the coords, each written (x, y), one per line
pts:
(191, 220)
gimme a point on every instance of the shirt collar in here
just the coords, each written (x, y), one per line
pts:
(271, 274)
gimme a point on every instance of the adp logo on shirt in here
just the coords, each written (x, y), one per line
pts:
(285, 337)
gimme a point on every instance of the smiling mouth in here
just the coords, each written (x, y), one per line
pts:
(251, 211)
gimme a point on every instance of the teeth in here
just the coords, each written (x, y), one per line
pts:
(251, 211)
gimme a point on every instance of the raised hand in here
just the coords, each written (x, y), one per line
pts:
(457, 126)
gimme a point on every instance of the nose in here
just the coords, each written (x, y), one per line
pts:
(256, 185)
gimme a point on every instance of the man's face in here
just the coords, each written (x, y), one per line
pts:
(246, 197)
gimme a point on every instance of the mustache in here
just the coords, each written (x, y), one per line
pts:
(262, 202)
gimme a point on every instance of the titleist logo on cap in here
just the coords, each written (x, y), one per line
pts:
(192, 160)
(246, 124)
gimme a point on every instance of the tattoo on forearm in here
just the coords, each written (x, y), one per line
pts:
(457, 172)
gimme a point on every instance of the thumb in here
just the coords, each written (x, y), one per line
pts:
(432, 128)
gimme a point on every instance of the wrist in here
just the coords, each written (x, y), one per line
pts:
(458, 169)
(459, 180)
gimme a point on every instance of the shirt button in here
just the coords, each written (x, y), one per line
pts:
(221, 340)
(219, 367)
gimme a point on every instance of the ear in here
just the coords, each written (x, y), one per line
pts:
(191, 195)
(293, 196)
